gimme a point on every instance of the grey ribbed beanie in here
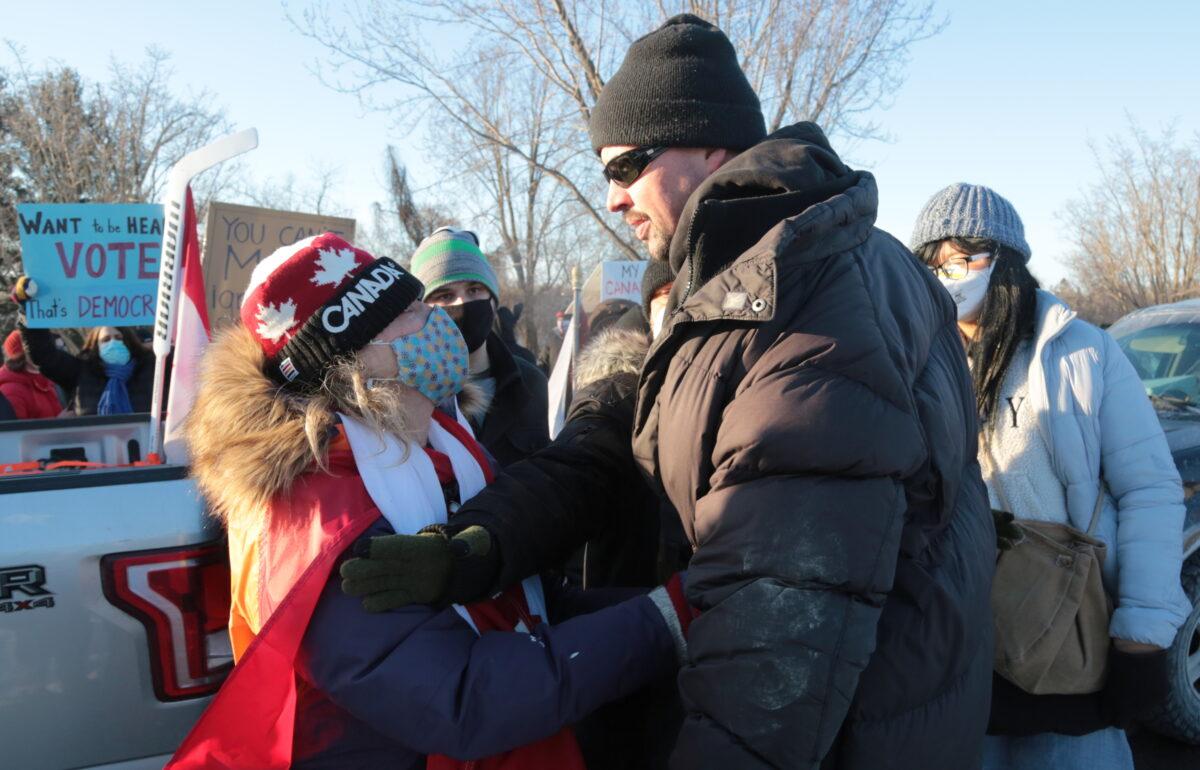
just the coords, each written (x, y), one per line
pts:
(970, 211)
(679, 86)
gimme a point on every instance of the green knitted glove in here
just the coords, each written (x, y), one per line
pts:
(426, 568)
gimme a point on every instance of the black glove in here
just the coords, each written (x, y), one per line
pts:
(1137, 684)
(1008, 533)
(429, 567)
(1016, 712)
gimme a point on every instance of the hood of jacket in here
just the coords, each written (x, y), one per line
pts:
(757, 203)
(613, 352)
(247, 438)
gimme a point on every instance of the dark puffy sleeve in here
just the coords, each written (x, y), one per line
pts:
(424, 678)
(541, 509)
(60, 366)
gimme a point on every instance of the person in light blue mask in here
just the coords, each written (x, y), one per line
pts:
(112, 374)
(1064, 420)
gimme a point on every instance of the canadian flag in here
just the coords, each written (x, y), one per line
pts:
(191, 338)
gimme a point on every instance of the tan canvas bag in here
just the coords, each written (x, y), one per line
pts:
(1049, 607)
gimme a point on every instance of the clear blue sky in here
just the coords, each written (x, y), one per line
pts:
(1009, 95)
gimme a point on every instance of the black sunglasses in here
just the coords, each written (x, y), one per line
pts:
(625, 169)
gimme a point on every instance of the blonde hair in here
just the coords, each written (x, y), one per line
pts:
(250, 438)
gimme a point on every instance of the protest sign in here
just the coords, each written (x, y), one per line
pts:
(238, 237)
(95, 264)
(618, 279)
(621, 280)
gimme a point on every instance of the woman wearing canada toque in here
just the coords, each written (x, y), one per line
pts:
(316, 428)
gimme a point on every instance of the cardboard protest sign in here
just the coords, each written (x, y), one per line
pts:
(237, 238)
(95, 264)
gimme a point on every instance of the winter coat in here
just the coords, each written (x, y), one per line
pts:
(32, 395)
(82, 377)
(383, 690)
(514, 425)
(6, 410)
(584, 487)
(1092, 411)
(808, 411)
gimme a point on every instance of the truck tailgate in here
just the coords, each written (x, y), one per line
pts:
(77, 685)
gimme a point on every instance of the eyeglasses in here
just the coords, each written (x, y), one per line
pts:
(956, 268)
(625, 169)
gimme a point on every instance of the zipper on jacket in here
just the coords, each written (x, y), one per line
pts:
(688, 250)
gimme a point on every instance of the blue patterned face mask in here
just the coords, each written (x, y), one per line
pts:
(432, 361)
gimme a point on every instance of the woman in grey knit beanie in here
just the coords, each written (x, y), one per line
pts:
(1055, 394)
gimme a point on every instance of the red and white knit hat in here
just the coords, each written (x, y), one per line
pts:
(318, 299)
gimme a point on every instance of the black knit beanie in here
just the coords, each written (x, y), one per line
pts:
(679, 86)
(658, 274)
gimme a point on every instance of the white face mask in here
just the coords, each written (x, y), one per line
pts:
(968, 293)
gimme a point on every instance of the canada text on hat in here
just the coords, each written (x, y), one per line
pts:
(321, 298)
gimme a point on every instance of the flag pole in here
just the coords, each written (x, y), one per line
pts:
(577, 319)
(174, 202)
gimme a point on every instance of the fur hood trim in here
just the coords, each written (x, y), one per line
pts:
(472, 402)
(245, 434)
(612, 352)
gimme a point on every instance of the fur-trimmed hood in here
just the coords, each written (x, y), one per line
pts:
(247, 442)
(249, 439)
(613, 351)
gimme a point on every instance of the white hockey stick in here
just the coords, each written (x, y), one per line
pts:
(174, 201)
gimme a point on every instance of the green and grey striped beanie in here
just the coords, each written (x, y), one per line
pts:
(450, 255)
(970, 211)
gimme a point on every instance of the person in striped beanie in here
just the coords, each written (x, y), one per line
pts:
(509, 414)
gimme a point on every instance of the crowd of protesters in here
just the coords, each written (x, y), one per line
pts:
(768, 532)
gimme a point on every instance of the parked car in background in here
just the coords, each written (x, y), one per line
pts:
(1163, 342)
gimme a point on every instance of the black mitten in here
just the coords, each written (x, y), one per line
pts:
(1136, 685)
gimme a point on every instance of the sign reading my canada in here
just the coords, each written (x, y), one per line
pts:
(95, 264)
(237, 238)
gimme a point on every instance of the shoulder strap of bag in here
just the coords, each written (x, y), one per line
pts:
(1100, 493)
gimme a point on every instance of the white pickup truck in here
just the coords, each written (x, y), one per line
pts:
(114, 599)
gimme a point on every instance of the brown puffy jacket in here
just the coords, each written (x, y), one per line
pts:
(808, 411)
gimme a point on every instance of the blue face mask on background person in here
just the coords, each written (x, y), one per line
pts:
(432, 361)
(114, 352)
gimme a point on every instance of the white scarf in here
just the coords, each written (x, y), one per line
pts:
(402, 482)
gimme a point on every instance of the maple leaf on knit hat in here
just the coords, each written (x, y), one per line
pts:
(275, 320)
(334, 265)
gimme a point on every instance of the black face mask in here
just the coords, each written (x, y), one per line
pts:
(474, 321)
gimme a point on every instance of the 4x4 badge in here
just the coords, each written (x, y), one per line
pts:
(29, 580)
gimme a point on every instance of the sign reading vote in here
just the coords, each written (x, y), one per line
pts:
(237, 238)
(95, 264)
(621, 280)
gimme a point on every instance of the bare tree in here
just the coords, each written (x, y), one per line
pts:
(1136, 232)
(318, 195)
(113, 141)
(824, 60)
(65, 140)
(531, 225)
(1093, 307)
(415, 221)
